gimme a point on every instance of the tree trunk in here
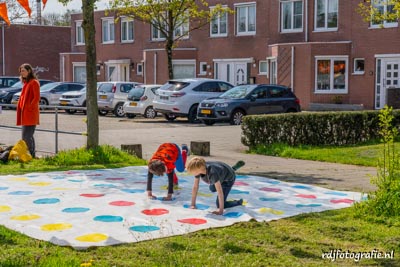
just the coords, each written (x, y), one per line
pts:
(168, 48)
(92, 140)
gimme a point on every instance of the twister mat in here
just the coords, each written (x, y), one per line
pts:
(105, 207)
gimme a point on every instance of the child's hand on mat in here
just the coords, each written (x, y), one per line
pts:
(218, 212)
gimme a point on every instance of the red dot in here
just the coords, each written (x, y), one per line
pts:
(122, 203)
(91, 195)
(343, 200)
(241, 183)
(155, 212)
(305, 196)
(195, 221)
(115, 179)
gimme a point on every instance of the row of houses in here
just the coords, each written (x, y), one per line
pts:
(322, 49)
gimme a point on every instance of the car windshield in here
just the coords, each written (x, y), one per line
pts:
(174, 86)
(48, 86)
(17, 84)
(238, 92)
(136, 92)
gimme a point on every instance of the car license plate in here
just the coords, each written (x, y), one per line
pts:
(63, 103)
(133, 104)
(205, 111)
(164, 97)
(103, 97)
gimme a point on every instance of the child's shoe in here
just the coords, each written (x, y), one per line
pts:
(238, 165)
(185, 147)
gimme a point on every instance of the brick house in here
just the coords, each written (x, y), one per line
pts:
(37, 45)
(321, 48)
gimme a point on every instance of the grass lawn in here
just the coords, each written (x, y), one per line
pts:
(295, 241)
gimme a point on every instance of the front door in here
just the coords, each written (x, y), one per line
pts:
(388, 70)
(231, 72)
(240, 73)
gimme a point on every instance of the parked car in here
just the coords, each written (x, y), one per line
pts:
(248, 99)
(50, 93)
(8, 81)
(74, 99)
(140, 101)
(6, 94)
(181, 97)
(112, 95)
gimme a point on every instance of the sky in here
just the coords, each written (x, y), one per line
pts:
(53, 6)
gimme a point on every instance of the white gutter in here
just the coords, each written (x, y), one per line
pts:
(292, 70)
(306, 22)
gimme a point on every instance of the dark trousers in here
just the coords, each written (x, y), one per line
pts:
(226, 188)
(27, 136)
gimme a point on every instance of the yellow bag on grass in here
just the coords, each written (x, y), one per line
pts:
(20, 152)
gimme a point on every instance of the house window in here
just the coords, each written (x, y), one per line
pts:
(292, 16)
(182, 28)
(156, 34)
(219, 25)
(203, 68)
(184, 69)
(331, 75)
(358, 66)
(246, 19)
(326, 15)
(79, 72)
(383, 8)
(263, 67)
(108, 30)
(80, 38)
(126, 30)
(139, 69)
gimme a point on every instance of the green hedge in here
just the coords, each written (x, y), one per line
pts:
(312, 128)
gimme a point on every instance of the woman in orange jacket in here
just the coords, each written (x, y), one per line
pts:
(28, 105)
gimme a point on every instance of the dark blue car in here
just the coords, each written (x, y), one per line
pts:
(249, 99)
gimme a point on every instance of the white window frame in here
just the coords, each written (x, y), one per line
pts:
(326, 27)
(385, 23)
(127, 21)
(184, 29)
(292, 3)
(266, 67)
(246, 6)
(79, 35)
(355, 71)
(77, 64)
(110, 30)
(155, 30)
(189, 62)
(139, 68)
(218, 23)
(331, 75)
(202, 66)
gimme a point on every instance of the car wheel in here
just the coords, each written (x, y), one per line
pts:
(119, 110)
(70, 111)
(130, 115)
(150, 113)
(103, 112)
(169, 117)
(236, 117)
(43, 102)
(192, 116)
(208, 122)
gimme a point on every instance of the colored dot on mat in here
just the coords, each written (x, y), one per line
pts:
(241, 183)
(3, 188)
(336, 193)
(5, 208)
(75, 210)
(40, 183)
(20, 193)
(235, 191)
(105, 185)
(305, 196)
(95, 237)
(115, 179)
(270, 199)
(308, 205)
(56, 227)
(122, 203)
(18, 179)
(270, 189)
(92, 195)
(26, 217)
(133, 191)
(272, 211)
(155, 212)
(233, 214)
(108, 218)
(194, 221)
(205, 194)
(75, 180)
(59, 177)
(46, 201)
(242, 177)
(144, 228)
(301, 187)
(198, 206)
(344, 200)
(273, 182)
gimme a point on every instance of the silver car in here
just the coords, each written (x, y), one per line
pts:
(140, 101)
(112, 95)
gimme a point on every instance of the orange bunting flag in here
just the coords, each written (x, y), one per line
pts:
(25, 5)
(44, 3)
(4, 13)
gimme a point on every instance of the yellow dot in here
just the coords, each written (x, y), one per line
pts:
(205, 194)
(40, 183)
(18, 179)
(96, 237)
(56, 227)
(4, 208)
(269, 210)
(26, 217)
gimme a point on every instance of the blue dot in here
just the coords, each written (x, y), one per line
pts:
(270, 199)
(273, 182)
(198, 206)
(75, 210)
(105, 185)
(133, 191)
(108, 218)
(235, 191)
(161, 199)
(336, 193)
(242, 177)
(308, 205)
(301, 187)
(3, 188)
(20, 193)
(144, 228)
(59, 177)
(75, 181)
(233, 214)
(46, 201)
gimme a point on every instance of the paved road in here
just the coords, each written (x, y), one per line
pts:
(224, 139)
